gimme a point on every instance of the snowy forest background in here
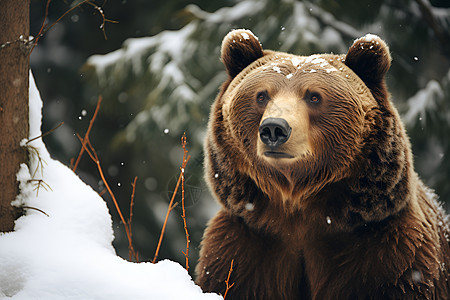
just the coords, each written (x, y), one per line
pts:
(159, 72)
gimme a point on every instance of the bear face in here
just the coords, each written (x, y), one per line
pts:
(302, 121)
(291, 109)
(313, 167)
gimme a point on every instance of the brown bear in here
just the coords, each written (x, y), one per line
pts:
(314, 171)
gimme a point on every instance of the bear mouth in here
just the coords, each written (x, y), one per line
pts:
(276, 154)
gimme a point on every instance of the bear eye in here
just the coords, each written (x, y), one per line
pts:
(262, 97)
(314, 98)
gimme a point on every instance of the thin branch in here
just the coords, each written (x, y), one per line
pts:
(86, 136)
(42, 27)
(171, 205)
(63, 15)
(87, 146)
(41, 183)
(227, 282)
(93, 155)
(100, 10)
(45, 28)
(35, 151)
(185, 160)
(131, 251)
(165, 220)
(34, 208)
(45, 134)
(40, 161)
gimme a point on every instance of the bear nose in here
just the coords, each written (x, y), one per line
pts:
(274, 131)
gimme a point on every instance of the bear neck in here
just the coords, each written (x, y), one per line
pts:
(379, 186)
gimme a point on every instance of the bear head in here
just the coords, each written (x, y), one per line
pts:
(294, 125)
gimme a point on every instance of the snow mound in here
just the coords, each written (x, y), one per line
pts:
(62, 249)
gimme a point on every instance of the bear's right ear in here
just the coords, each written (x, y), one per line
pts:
(239, 49)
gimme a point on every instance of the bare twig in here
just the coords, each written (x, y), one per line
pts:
(87, 146)
(171, 205)
(227, 282)
(35, 151)
(34, 208)
(131, 251)
(93, 155)
(40, 161)
(40, 183)
(45, 134)
(86, 136)
(185, 159)
(100, 10)
(45, 28)
(102, 192)
(42, 27)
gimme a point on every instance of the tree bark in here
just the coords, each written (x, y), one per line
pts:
(14, 124)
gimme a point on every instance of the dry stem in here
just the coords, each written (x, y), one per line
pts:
(131, 251)
(86, 136)
(171, 205)
(40, 183)
(42, 27)
(37, 209)
(227, 282)
(45, 134)
(40, 162)
(45, 28)
(93, 155)
(100, 10)
(185, 159)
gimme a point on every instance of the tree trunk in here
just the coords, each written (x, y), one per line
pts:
(14, 66)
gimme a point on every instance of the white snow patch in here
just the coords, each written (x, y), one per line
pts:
(66, 252)
(102, 62)
(311, 58)
(170, 44)
(318, 61)
(369, 38)
(228, 14)
(277, 69)
(245, 36)
(422, 101)
(249, 206)
(289, 76)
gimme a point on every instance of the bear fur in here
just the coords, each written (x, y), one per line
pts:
(324, 202)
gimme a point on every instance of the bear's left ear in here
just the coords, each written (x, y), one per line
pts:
(369, 58)
(239, 49)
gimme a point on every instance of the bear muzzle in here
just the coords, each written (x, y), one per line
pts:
(274, 132)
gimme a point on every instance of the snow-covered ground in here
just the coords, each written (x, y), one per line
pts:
(64, 251)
